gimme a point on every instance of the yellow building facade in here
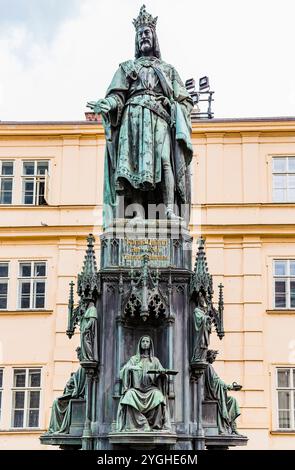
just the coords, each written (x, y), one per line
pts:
(243, 203)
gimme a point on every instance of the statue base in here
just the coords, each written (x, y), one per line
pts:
(138, 440)
(223, 442)
(168, 243)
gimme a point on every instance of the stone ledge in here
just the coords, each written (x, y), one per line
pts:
(60, 440)
(27, 312)
(141, 438)
(281, 312)
(221, 441)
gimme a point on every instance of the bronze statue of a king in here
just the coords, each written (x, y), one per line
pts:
(146, 116)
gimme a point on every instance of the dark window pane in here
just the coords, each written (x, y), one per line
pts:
(33, 418)
(25, 269)
(19, 378)
(34, 378)
(42, 167)
(29, 199)
(3, 289)
(284, 400)
(6, 184)
(25, 302)
(3, 303)
(280, 294)
(26, 288)
(292, 294)
(6, 191)
(19, 400)
(284, 419)
(39, 301)
(41, 191)
(7, 168)
(1, 378)
(3, 269)
(29, 168)
(6, 197)
(40, 269)
(284, 378)
(40, 288)
(29, 191)
(18, 419)
(34, 399)
(29, 186)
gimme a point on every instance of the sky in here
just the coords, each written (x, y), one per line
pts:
(55, 55)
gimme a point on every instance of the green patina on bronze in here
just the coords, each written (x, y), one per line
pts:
(146, 115)
(88, 332)
(61, 414)
(143, 405)
(216, 389)
(202, 326)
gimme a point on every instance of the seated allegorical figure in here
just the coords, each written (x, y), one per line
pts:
(216, 389)
(144, 404)
(60, 413)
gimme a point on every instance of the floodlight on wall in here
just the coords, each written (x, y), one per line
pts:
(203, 95)
(204, 84)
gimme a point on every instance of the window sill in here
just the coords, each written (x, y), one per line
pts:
(279, 432)
(22, 431)
(281, 311)
(26, 312)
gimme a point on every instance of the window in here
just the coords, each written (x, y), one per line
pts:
(283, 176)
(284, 284)
(3, 285)
(286, 397)
(1, 389)
(6, 180)
(26, 398)
(32, 283)
(35, 175)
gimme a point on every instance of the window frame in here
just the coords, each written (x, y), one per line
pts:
(5, 280)
(33, 281)
(35, 178)
(288, 278)
(286, 173)
(7, 177)
(1, 395)
(292, 397)
(26, 389)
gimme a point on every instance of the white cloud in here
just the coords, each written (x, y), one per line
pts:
(245, 46)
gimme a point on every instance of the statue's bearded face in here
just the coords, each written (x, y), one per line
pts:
(145, 343)
(145, 39)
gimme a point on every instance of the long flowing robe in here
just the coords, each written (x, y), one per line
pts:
(143, 405)
(145, 130)
(88, 329)
(202, 326)
(228, 408)
(60, 413)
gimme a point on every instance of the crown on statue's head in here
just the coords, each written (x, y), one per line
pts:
(145, 19)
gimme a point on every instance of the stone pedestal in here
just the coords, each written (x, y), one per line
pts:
(169, 242)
